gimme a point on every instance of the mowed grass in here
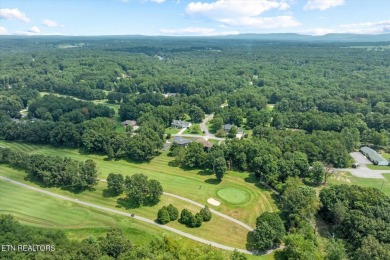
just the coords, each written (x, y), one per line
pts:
(235, 235)
(378, 167)
(40, 210)
(79, 222)
(348, 178)
(192, 184)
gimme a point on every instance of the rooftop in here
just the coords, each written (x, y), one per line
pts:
(372, 154)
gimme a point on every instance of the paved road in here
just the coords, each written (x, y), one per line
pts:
(198, 239)
(204, 127)
(200, 136)
(363, 171)
(212, 210)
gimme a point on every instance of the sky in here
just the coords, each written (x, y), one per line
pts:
(193, 18)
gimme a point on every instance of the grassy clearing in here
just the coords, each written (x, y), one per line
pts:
(171, 130)
(190, 130)
(348, 178)
(233, 195)
(175, 180)
(378, 167)
(270, 106)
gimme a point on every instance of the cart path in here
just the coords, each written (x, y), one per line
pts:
(212, 210)
(149, 221)
(249, 228)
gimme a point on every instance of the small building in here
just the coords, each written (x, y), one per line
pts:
(373, 156)
(181, 141)
(206, 144)
(180, 124)
(129, 122)
(227, 128)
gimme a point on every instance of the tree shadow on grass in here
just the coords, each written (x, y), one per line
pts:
(251, 178)
(133, 204)
(41, 184)
(127, 203)
(212, 181)
(204, 172)
(109, 193)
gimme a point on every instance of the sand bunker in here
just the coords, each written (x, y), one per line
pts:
(213, 202)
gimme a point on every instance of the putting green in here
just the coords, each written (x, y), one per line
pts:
(233, 195)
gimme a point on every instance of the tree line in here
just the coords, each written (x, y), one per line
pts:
(53, 170)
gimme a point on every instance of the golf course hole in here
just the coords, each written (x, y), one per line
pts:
(233, 195)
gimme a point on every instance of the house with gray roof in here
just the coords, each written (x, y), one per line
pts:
(227, 128)
(181, 141)
(373, 156)
(180, 124)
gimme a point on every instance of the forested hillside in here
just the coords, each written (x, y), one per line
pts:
(301, 107)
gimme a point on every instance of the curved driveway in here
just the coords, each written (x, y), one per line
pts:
(198, 239)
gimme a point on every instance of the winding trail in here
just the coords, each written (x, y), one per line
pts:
(149, 221)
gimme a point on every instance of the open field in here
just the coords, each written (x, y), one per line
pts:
(234, 235)
(78, 222)
(192, 184)
(347, 178)
(39, 210)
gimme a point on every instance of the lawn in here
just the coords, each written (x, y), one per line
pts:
(378, 167)
(233, 234)
(190, 130)
(78, 222)
(171, 130)
(348, 178)
(192, 184)
(40, 210)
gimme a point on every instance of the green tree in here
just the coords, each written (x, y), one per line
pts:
(335, 250)
(115, 243)
(268, 233)
(317, 173)
(163, 215)
(116, 183)
(173, 212)
(206, 213)
(297, 247)
(219, 168)
(237, 256)
(141, 190)
(196, 114)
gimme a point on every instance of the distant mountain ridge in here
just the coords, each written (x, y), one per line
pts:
(282, 37)
(333, 37)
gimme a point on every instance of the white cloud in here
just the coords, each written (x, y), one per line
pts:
(319, 31)
(262, 22)
(3, 30)
(157, 1)
(368, 27)
(34, 30)
(234, 8)
(13, 14)
(243, 13)
(196, 31)
(51, 23)
(357, 28)
(322, 4)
